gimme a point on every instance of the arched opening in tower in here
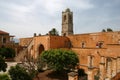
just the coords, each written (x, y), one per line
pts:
(65, 18)
(41, 48)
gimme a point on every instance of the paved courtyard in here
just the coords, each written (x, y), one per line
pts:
(9, 64)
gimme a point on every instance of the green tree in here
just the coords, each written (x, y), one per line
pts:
(3, 52)
(11, 53)
(3, 65)
(103, 30)
(19, 73)
(4, 77)
(53, 32)
(59, 60)
(30, 65)
(109, 30)
(7, 52)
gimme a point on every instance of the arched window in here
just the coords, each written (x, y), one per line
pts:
(65, 18)
(64, 34)
(99, 44)
(83, 44)
(69, 44)
(41, 48)
(4, 40)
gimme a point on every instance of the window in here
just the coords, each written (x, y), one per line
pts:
(69, 44)
(99, 44)
(83, 44)
(4, 40)
(65, 18)
(119, 41)
(64, 34)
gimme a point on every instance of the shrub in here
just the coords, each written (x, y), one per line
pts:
(19, 73)
(59, 60)
(3, 65)
(4, 77)
(7, 52)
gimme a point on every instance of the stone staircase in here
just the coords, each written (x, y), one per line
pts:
(24, 53)
(21, 56)
(30, 44)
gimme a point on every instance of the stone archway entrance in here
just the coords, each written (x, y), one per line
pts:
(41, 48)
(82, 75)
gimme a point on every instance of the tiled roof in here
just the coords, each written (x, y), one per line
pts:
(3, 32)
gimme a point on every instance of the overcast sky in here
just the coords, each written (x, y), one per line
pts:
(22, 18)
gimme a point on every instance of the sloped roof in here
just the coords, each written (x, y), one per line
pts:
(3, 32)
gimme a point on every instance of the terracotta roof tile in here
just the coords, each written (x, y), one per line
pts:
(3, 32)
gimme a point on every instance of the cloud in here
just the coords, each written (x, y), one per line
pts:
(81, 4)
(19, 9)
(29, 16)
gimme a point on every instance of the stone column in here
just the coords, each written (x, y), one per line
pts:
(102, 68)
(118, 64)
(109, 68)
(90, 67)
(114, 67)
(90, 61)
(72, 76)
(102, 59)
(90, 74)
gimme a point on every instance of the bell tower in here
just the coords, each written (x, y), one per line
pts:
(67, 22)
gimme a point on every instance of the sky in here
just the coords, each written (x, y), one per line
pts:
(23, 18)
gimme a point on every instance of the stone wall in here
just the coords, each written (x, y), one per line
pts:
(59, 42)
(91, 40)
(25, 41)
(117, 77)
(84, 45)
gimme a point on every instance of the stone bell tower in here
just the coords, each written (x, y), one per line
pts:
(67, 22)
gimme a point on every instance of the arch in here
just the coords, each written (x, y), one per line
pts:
(81, 74)
(40, 49)
(65, 18)
(4, 40)
(83, 44)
